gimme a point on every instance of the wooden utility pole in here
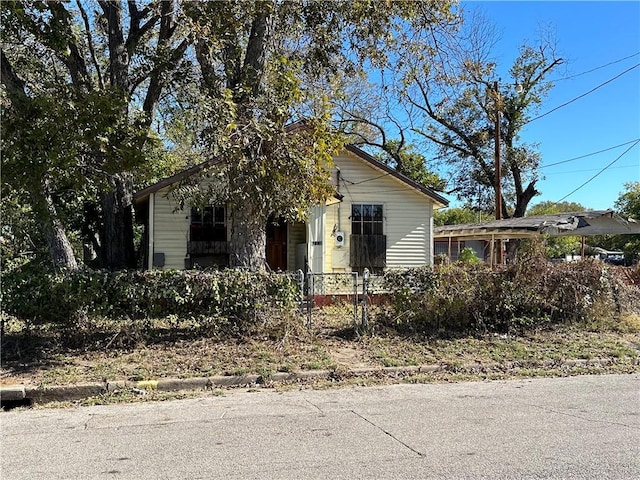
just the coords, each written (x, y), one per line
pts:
(498, 169)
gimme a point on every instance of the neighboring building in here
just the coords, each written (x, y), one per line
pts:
(378, 219)
(452, 250)
(451, 239)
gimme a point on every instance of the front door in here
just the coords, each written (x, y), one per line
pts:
(277, 244)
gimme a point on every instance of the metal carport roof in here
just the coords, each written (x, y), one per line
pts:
(596, 222)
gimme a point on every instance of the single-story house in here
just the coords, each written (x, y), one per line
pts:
(451, 239)
(377, 219)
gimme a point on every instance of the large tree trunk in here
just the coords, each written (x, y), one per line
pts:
(248, 238)
(118, 248)
(60, 248)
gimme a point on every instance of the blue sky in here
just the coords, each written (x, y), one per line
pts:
(589, 35)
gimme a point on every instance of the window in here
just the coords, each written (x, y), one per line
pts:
(368, 245)
(366, 219)
(208, 224)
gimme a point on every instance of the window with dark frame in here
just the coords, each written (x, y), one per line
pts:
(367, 244)
(208, 224)
(366, 219)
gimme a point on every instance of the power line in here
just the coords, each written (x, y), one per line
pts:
(636, 165)
(619, 157)
(584, 94)
(368, 179)
(597, 68)
(589, 154)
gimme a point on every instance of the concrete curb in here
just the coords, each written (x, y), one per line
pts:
(47, 394)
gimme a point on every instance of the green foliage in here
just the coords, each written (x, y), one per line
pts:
(468, 255)
(461, 297)
(19, 235)
(627, 205)
(77, 111)
(548, 207)
(459, 215)
(629, 201)
(238, 300)
(67, 137)
(264, 65)
(411, 163)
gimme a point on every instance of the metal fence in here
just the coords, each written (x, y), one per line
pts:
(356, 288)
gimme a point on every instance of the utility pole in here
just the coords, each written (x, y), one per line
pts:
(498, 169)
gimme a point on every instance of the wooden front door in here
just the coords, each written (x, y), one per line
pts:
(277, 244)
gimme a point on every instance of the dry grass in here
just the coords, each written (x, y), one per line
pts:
(178, 349)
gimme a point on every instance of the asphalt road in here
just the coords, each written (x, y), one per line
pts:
(571, 428)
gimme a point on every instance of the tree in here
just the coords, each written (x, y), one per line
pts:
(46, 145)
(260, 64)
(628, 202)
(628, 205)
(448, 86)
(371, 113)
(60, 61)
(460, 215)
(411, 163)
(550, 208)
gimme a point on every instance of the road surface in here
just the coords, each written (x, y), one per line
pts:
(584, 427)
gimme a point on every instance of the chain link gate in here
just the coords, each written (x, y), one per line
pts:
(332, 284)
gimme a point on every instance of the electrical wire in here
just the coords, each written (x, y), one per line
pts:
(637, 165)
(602, 170)
(589, 154)
(584, 94)
(367, 180)
(597, 68)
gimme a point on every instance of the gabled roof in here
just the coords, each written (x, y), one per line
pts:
(595, 222)
(438, 199)
(145, 192)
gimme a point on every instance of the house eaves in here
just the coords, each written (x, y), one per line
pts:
(178, 177)
(439, 200)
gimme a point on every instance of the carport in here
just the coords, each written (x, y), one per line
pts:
(582, 224)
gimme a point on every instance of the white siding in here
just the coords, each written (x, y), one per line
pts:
(171, 230)
(407, 213)
(408, 220)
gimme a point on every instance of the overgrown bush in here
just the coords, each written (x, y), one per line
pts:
(460, 298)
(238, 299)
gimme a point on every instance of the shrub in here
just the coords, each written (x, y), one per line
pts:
(468, 255)
(237, 299)
(466, 297)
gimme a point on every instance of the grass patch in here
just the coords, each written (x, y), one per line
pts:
(37, 356)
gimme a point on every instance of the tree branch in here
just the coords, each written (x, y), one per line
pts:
(15, 85)
(136, 32)
(73, 59)
(87, 29)
(158, 81)
(254, 60)
(118, 54)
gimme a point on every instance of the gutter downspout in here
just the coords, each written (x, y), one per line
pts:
(152, 201)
